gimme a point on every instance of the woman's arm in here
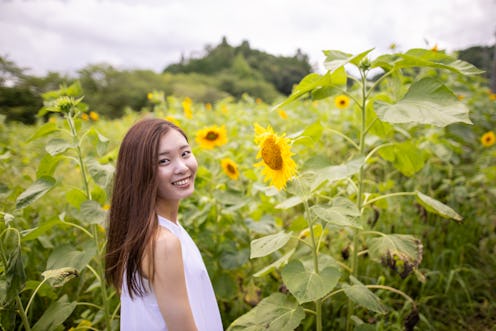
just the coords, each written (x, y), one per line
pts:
(169, 284)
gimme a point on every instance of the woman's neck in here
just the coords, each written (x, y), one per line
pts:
(168, 210)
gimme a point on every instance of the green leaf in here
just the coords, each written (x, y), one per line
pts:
(427, 102)
(73, 90)
(325, 261)
(45, 290)
(48, 165)
(102, 174)
(306, 85)
(98, 140)
(226, 287)
(365, 327)
(40, 230)
(41, 186)
(307, 285)
(275, 265)
(14, 274)
(377, 127)
(91, 213)
(361, 295)
(268, 244)
(278, 312)
(230, 198)
(401, 253)
(438, 207)
(57, 146)
(67, 256)
(55, 315)
(291, 202)
(336, 59)
(405, 157)
(75, 197)
(342, 212)
(265, 225)
(44, 130)
(418, 57)
(314, 82)
(232, 258)
(334, 173)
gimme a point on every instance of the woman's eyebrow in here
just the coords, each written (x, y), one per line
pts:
(183, 147)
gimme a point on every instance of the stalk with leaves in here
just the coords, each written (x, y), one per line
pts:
(345, 199)
(84, 213)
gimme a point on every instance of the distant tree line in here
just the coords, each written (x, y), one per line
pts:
(232, 64)
(483, 57)
(222, 71)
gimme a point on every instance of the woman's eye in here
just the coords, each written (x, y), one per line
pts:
(186, 153)
(163, 161)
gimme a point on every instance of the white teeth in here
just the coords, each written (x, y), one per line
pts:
(181, 182)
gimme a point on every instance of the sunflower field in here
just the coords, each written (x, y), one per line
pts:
(363, 201)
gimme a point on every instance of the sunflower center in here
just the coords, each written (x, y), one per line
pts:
(271, 154)
(231, 169)
(342, 102)
(212, 136)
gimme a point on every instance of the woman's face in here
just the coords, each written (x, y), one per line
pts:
(176, 168)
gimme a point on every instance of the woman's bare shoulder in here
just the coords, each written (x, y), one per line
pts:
(166, 243)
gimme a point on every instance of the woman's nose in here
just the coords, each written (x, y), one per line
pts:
(180, 167)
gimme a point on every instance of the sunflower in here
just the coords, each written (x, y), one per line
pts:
(342, 101)
(212, 136)
(275, 152)
(230, 168)
(282, 114)
(488, 139)
(94, 116)
(188, 113)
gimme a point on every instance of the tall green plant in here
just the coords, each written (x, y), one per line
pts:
(340, 198)
(83, 212)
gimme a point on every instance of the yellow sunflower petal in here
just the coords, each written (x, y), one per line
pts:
(212, 136)
(275, 154)
(342, 101)
(488, 139)
(230, 168)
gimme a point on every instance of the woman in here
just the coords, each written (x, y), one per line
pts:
(151, 259)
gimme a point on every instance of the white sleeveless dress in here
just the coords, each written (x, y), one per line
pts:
(143, 314)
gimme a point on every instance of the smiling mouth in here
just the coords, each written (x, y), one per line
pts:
(182, 182)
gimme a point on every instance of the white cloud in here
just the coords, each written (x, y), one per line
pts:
(67, 35)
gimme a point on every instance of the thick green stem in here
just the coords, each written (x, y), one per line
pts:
(361, 175)
(318, 309)
(103, 286)
(100, 270)
(77, 143)
(22, 313)
(315, 253)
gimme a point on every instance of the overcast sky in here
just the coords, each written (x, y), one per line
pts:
(67, 35)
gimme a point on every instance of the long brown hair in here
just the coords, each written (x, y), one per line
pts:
(132, 222)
